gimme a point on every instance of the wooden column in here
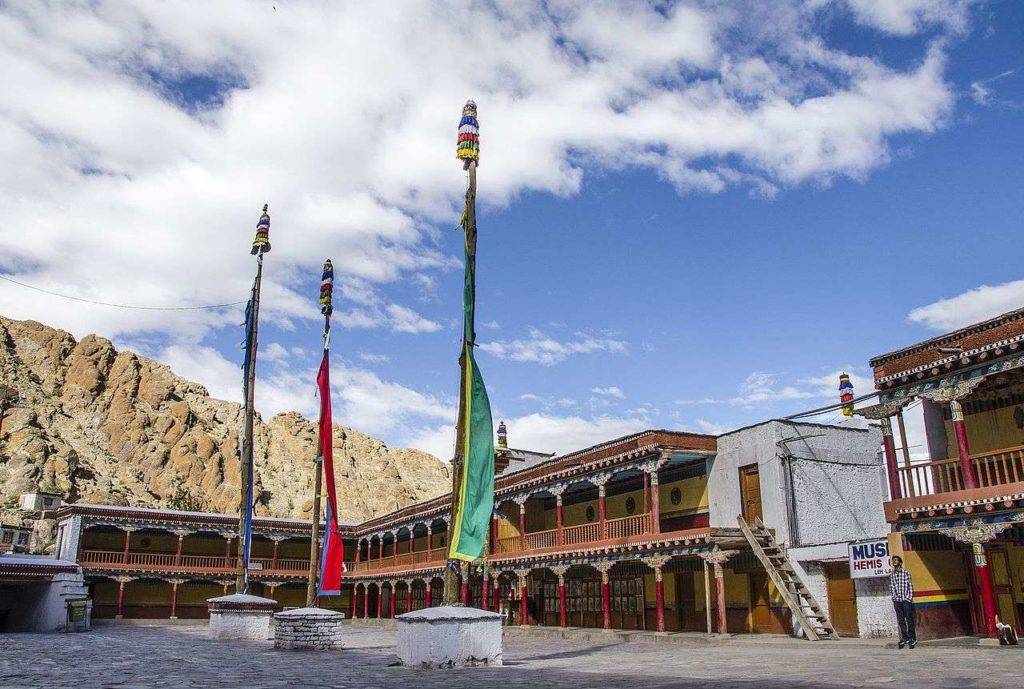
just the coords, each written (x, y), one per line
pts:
(707, 595)
(559, 533)
(655, 503)
(121, 581)
(486, 591)
(408, 596)
(174, 597)
(606, 600)
(380, 599)
(601, 512)
(177, 552)
(366, 601)
(355, 595)
(976, 536)
(657, 564)
(963, 447)
(227, 550)
(359, 550)
(127, 544)
(717, 558)
(890, 460)
(428, 594)
(496, 594)
(522, 524)
(430, 539)
(563, 599)
(380, 555)
(273, 558)
(464, 586)
(523, 607)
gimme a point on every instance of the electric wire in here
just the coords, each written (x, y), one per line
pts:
(121, 306)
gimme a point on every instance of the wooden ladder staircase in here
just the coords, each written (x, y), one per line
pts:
(812, 618)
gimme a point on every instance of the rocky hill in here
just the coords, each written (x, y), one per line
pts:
(103, 426)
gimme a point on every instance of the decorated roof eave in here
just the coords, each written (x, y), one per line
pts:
(917, 382)
(954, 336)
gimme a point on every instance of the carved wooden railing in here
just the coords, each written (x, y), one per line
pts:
(108, 559)
(541, 539)
(508, 544)
(414, 558)
(581, 533)
(628, 526)
(994, 468)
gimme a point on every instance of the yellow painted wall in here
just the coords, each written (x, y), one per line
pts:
(1015, 557)
(931, 569)
(989, 430)
(694, 497)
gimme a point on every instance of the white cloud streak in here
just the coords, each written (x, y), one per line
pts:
(969, 307)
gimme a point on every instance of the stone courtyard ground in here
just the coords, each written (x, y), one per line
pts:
(128, 655)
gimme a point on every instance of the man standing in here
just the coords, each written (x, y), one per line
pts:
(902, 590)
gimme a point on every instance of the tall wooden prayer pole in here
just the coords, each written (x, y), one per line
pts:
(260, 246)
(314, 538)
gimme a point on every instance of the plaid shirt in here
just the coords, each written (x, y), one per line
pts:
(900, 585)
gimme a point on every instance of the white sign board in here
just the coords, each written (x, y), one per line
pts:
(869, 559)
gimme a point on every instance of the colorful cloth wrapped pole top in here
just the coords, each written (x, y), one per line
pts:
(261, 242)
(327, 288)
(846, 394)
(333, 556)
(469, 135)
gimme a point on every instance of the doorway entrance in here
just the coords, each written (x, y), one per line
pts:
(842, 598)
(750, 492)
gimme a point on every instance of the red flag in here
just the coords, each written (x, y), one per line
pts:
(332, 558)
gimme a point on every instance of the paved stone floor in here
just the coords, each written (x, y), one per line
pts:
(124, 656)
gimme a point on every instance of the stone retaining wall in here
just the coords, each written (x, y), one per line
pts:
(308, 628)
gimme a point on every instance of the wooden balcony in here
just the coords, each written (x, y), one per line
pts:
(169, 562)
(997, 468)
(402, 561)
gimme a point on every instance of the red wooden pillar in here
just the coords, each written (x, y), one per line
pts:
(563, 603)
(963, 447)
(380, 554)
(380, 599)
(127, 543)
(120, 598)
(174, 600)
(655, 503)
(273, 558)
(177, 553)
(647, 492)
(227, 551)
(355, 596)
(464, 585)
(430, 540)
(359, 550)
(659, 599)
(988, 596)
(889, 446)
(408, 596)
(496, 596)
(486, 591)
(601, 512)
(606, 601)
(392, 597)
(428, 595)
(720, 595)
(559, 533)
(366, 600)
(523, 609)
(522, 526)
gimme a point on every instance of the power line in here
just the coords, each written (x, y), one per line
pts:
(121, 306)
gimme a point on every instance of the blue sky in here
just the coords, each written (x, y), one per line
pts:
(696, 233)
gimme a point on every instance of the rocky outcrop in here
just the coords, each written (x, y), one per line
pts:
(105, 426)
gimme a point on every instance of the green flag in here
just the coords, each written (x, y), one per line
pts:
(472, 507)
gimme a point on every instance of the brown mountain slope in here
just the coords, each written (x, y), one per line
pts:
(103, 426)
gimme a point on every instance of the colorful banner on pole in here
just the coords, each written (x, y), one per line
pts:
(333, 555)
(250, 354)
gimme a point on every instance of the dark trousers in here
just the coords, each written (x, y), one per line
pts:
(905, 619)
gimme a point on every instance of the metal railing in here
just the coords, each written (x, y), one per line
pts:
(995, 468)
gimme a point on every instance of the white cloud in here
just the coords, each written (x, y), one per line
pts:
(547, 351)
(610, 391)
(107, 162)
(372, 358)
(711, 428)
(906, 17)
(274, 351)
(551, 433)
(405, 320)
(760, 388)
(974, 305)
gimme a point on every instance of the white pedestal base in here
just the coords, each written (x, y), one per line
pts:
(449, 636)
(240, 616)
(308, 628)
